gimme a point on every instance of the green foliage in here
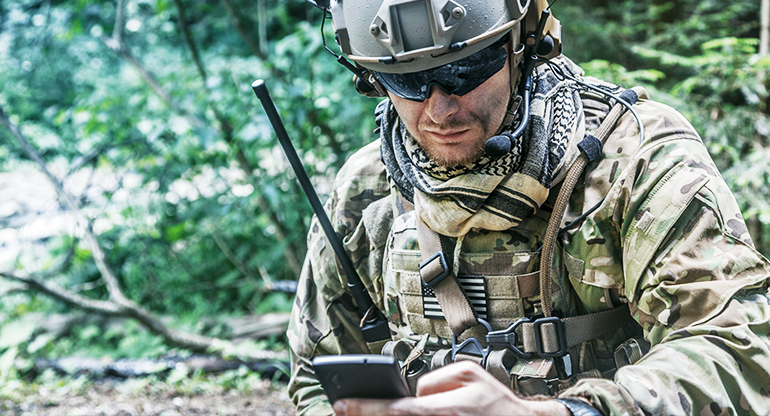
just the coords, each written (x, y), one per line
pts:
(195, 183)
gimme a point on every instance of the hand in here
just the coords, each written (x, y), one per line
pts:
(462, 388)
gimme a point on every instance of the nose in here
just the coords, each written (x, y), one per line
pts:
(440, 106)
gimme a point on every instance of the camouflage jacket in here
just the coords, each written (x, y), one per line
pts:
(667, 238)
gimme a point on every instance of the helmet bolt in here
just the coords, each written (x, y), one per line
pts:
(375, 30)
(458, 13)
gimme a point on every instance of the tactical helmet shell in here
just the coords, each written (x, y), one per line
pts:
(398, 36)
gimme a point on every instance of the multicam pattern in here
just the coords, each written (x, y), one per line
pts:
(669, 239)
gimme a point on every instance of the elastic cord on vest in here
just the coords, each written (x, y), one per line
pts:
(573, 174)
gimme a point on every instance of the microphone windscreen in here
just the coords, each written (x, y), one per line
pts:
(497, 146)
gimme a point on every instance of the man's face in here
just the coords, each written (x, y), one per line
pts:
(452, 129)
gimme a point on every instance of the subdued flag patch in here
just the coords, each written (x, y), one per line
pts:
(473, 287)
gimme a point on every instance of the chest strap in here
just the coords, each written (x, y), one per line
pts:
(437, 252)
(590, 149)
(551, 337)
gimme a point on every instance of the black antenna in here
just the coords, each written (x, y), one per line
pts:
(375, 325)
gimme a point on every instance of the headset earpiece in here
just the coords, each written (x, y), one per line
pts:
(366, 84)
(546, 46)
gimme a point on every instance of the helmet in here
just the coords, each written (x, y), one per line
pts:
(399, 36)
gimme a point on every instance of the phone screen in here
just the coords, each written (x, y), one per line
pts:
(360, 376)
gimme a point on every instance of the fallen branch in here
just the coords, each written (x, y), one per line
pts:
(232, 328)
(140, 367)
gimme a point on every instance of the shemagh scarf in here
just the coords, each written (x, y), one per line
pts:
(491, 194)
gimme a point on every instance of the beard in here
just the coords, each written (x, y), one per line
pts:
(468, 151)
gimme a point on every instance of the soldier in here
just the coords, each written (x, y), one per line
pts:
(570, 245)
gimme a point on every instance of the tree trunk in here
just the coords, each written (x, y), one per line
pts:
(764, 35)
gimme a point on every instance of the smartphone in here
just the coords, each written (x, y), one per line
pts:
(360, 376)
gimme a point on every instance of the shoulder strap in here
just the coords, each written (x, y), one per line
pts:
(551, 336)
(437, 254)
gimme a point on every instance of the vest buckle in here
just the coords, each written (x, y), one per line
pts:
(555, 334)
(508, 338)
(434, 270)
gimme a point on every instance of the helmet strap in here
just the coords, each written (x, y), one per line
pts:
(515, 54)
(535, 26)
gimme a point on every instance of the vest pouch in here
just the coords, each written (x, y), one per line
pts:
(398, 349)
(631, 351)
(497, 292)
(416, 369)
(530, 386)
(440, 359)
(499, 364)
(376, 347)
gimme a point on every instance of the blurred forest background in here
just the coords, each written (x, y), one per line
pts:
(140, 178)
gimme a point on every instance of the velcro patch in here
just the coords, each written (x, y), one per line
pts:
(645, 222)
(472, 286)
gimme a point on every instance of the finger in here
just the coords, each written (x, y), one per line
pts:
(450, 377)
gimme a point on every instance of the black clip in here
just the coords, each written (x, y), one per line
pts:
(561, 335)
(472, 346)
(508, 338)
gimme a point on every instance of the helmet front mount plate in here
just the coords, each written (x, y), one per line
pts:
(395, 17)
(402, 36)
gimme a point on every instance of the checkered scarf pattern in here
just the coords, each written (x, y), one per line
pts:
(492, 194)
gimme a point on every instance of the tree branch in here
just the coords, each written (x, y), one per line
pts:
(116, 44)
(69, 202)
(94, 154)
(150, 79)
(188, 39)
(111, 308)
(227, 129)
(117, 31)
(64, 295)
(242, 32)
(118, 304)
(197, 343)
(13, 288)
(764, 32)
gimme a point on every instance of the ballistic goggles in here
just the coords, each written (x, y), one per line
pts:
(459, 77)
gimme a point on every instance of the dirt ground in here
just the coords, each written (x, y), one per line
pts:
(112, 398)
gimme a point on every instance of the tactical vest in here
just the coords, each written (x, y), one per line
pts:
(499, 272)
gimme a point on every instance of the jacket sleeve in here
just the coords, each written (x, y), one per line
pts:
(324, 317)
(323, 322)
(694, 283)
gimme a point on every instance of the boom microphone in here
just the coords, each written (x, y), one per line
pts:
(497, 146)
